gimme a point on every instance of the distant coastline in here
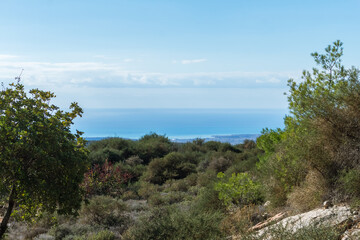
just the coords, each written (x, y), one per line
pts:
(232, 138)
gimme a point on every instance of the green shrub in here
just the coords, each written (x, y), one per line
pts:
(225, 147)
(282, 166)
(71, 230)
(162, 199)
(134, 160)
(153, 146)
(75, 231)
(207, 200)
(220, 164)
(349, 182)
(173, 166)
(206, 178)
(129, 195)
(174, 224)
(238, 189)
(134, 170)
(103, 235)
(248, 144)
(111, 149)
(147, 189)
(212, 146)
(242, 166)
(182, 184)
(103, 210)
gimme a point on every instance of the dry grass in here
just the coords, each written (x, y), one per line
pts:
(310, 194)
(242, 219)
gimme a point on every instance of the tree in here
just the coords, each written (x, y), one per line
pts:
(322, 133)
(327, 102)
(42, 161)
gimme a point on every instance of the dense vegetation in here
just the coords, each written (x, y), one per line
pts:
(156, 189)
(40, 158)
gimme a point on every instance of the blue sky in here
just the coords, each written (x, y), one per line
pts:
(170, 54)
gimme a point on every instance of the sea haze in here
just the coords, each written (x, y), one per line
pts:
(177, 123)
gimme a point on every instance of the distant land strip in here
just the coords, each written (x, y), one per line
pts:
(232, 139)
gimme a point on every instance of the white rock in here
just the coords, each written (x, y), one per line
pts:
(327, 217)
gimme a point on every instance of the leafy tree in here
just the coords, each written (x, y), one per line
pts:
(322, 132)
(328, 102)
(42, 161)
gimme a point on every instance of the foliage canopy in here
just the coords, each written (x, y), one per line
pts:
(42, 161)
(322, 132)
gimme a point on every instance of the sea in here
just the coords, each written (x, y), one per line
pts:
(179, 124)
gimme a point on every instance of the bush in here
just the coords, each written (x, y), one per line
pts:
(105, 180)
(103, 210)
(129, 195)
(103, 235)
(225, 147)
(71, 230)
(349, 182)
(310, 194)
(162, 199)
(220, 164)
(134, 171)
(173, 166)
(173, 224)
(207, 200)
(183, 184)
(111, 149)
(75, 231)
(147, 189)
(134, 160)
(239, 189)
(153, 146)
(206, 178)
(212, 146)
(282, 165)
(240, 220)
(249, 144)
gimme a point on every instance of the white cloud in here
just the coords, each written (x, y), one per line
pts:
(95, 84)
(193, 61)
(48, 75)
(7, 57)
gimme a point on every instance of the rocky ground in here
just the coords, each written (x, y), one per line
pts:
(341, 217)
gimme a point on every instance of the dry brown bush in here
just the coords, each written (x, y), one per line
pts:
(310, 194)
(240, 220)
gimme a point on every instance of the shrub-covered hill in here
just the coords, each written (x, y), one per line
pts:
(154, 188)
(151, 188)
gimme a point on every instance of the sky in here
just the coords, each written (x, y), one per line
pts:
(170, 53)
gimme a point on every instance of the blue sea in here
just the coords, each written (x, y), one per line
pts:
(177, 123)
